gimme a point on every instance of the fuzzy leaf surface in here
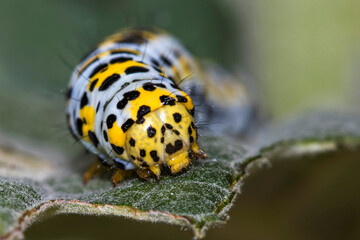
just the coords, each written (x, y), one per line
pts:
(197, 198)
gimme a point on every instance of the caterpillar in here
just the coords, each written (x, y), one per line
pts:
(126, 105)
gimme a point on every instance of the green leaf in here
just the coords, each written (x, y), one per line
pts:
(198, 198)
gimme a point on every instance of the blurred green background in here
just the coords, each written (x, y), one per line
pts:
(302, 54)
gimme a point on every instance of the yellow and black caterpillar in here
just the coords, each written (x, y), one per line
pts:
(127, 106)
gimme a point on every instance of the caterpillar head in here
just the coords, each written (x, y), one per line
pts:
(167, 137)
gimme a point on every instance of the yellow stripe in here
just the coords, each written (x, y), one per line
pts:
(95, 58)
(118, 68)
(175, 71)
(87, 113)
(186, 66)
(151, 99)
(125, 34)
(116, 135)
(189, 104)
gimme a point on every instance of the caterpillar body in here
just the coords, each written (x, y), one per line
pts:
(126, 104)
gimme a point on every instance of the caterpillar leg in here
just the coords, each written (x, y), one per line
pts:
(144, 173)
(196, 152)
(93, 169)
(156, 170)
(178, 162)
(120, 175)
(147, 173)
(181, 160)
